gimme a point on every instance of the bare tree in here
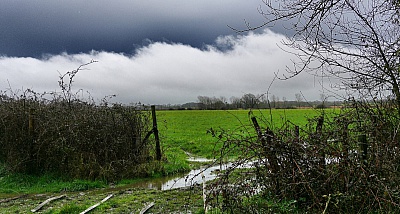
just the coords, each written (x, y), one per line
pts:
(212, 102)
(299, 99)
(273, 101)
(277, 102)
(219, 103)
(357, 41)
(249, 100)
(284, 99)
(236, 102)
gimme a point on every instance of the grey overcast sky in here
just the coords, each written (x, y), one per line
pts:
(150, 51)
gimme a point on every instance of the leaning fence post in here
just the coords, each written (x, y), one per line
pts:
(266, 140)
(155, 130)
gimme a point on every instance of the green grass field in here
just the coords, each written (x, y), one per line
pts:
(187, 130)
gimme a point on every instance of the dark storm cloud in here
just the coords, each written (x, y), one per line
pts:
(34, 28)
(148, 51)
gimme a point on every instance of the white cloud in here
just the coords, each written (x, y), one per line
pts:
(163, 73)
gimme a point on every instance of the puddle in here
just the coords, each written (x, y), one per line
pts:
(199, 159)
(194, 177)
(193, 158)
(185, 180)
(197, 176)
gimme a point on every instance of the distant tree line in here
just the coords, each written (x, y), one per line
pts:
(251, 101)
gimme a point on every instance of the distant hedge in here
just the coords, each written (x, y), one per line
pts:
(72, 137)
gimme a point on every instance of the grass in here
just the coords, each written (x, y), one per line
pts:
(15, 183)
(187, 130)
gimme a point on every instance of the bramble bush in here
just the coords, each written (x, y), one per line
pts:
(347, 163)
(73, 137)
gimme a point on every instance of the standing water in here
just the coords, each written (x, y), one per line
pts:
(194, 177)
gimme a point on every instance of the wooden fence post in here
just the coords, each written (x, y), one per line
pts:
(266, 140)
(155, 130)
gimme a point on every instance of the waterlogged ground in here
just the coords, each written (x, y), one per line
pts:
(179, 194)
(129, 200)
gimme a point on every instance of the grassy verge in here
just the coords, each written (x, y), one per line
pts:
(15, 183)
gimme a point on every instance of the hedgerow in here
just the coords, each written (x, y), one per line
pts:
(72, 136)
(343, 164)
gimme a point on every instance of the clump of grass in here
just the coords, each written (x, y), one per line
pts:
(68, 209)
(176, 162)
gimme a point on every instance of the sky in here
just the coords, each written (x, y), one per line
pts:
(153, 52)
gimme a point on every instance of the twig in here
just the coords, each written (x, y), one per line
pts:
(327, 204)
(46, 202)
(96, 205)
(144, 210)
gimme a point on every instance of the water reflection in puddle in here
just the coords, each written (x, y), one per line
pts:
(194, 177)
(184, 180)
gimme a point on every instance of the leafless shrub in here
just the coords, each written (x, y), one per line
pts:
(71, 136)
(348, 163)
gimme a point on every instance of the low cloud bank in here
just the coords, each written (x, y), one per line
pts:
(165, 73)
